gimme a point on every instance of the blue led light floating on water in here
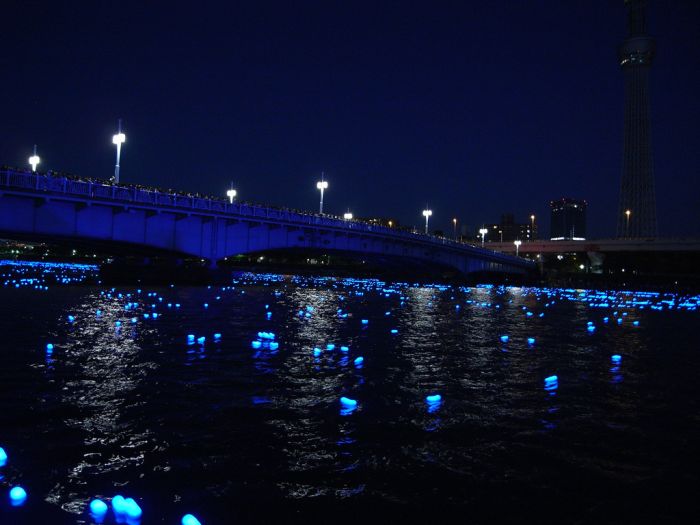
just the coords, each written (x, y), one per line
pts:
(190, 339)
(118, 324)
(531, 341)
(344, 349)
(606, 319)
(317, 352)
(119, 505)
(347, 406)
(635, 323)
(217, 337)
(49, 348)
(189, 519)
(433, 402)
(330, 346)
(504, 338)
(365, 321)
(71, 318)
(274, 345)
(3, 457)
(616, 359)
(394, 331)
(201, 340)
(358, 361)
(17, 496)
(591, 328)
(98, 509)
(551, 383)
(256, 344)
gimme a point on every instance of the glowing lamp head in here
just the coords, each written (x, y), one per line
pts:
(427, 213)
(627, 212)
(454, 221)
(518, 242)
(322, 185)
(34, 160)
(119, 138)
(347, 216)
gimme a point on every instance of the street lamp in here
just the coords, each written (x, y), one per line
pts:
(231, 194)
(517, 243)
(427, 213)
(500, 232)
(627, 228)
(454, 227)
(347, 216)
(34, 159)
(118, 140)
(483, 232)
(532, 228)
(321, 185)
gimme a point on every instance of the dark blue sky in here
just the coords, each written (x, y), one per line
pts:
(478, 108)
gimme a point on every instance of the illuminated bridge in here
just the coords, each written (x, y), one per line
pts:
(51, 208)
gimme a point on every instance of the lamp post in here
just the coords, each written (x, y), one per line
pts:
(34, 159)
(500, 232)
(483, 232)
(118, 140)
(627, 227)
(427, 213)
(532, 228)
(231, 194)
(321, 185)
(454, 227)
(517, 243)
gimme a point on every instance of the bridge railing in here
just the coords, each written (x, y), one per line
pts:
(98, 189)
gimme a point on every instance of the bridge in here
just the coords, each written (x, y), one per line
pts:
(51, 208)
(598, 246)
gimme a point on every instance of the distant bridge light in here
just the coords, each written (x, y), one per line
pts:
(231, 194)
(483, 232)
(347, 216)
(118, 140)
(34, 159)
(427, 214)
(517, 243)
(321, 185)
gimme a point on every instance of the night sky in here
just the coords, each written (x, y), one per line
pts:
(477, 108)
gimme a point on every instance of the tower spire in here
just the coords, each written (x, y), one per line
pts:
(636, 216)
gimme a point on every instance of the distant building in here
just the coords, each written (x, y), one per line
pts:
(507, 230)
(568, 220)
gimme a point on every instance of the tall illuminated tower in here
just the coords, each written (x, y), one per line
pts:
(636, 215)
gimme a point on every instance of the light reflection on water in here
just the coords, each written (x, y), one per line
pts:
(137, 410)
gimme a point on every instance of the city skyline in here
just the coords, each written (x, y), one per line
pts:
(388, 139)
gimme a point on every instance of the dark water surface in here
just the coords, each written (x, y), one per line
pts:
(235, 434)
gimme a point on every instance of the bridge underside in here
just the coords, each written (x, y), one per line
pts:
(133, 228)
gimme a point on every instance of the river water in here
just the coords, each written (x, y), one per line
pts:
(249, 428)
